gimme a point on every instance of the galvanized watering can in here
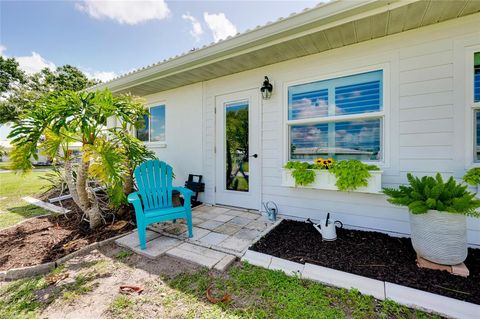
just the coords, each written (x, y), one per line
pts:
(327, 228)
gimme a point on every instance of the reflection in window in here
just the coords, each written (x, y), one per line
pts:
(154, 125)
(342, 140)
(236, 146)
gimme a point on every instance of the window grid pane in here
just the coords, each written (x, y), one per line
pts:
(157, 124)
(477, 136)
(142, 133)
(476, 77)
(355, 94)
(359, 139)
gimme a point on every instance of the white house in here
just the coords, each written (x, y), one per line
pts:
(396, 83)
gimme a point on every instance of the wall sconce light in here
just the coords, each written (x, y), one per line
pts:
(266, 89)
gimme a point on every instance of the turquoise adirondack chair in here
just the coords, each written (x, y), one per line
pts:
(153, 201)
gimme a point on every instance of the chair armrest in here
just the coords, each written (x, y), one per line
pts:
(187, 195)
(134, 199)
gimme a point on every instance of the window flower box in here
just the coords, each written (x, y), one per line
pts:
(326, 180)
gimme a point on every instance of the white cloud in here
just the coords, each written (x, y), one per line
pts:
(125, 11)
(220, 26)
(197, 29)
(34, 63)
(2, 49)
(101, 75)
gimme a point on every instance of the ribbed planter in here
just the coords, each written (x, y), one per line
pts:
(440, 237)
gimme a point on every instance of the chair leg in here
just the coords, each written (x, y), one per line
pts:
(189, 224)
(142, 235)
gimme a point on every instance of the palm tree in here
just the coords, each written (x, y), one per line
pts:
(108, 155)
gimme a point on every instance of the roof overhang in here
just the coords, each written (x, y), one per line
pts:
(322, 28)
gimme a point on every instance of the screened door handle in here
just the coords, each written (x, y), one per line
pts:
(254, 155)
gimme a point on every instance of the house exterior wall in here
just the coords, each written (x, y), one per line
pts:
(428, 125)
(183, 130)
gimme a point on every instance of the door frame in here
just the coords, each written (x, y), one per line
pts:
(254, 196)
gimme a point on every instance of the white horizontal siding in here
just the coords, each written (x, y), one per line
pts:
(424, 133)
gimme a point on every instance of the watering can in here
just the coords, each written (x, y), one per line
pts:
(327, 228)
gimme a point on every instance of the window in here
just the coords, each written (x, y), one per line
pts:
(154, 125)
(476, 104)
(340, 118)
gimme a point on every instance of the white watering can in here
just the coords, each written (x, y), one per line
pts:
(327, 228)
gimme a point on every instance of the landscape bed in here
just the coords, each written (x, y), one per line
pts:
(44, 239)
(370, 254)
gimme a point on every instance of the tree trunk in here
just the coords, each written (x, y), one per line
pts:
(71, 184)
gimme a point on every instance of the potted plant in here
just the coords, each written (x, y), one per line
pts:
(438, 213)
(472, 178)
(344, 175)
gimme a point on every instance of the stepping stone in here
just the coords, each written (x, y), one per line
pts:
(197, 220)
(257, 225)
(249, 215)
(213, 238)
(131, 240)
(234, 212)
(228, 229)
(236, 244)
(240, 221)
(219, 210)
(197, 255)
(210, 224)
(198, 233)
(157, 247)
(223, 218)
(247, 234)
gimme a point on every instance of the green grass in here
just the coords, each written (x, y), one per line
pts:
(14, 186)
(123, 254)
(257, 293)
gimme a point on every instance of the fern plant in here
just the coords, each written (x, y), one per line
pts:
(351, 174)
(472, 177)
(432, 193)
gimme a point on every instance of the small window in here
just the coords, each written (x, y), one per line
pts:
(154, 125)
(340, 118)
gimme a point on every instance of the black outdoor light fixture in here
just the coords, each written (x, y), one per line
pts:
(266, 89)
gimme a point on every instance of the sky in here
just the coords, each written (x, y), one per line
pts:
(107, 38)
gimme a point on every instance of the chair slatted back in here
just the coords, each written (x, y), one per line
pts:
(154, 182)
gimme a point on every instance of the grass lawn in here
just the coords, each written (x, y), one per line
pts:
(14, 186)
(255, 292)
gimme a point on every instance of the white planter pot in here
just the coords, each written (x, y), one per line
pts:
(326, 180)
(440, 237)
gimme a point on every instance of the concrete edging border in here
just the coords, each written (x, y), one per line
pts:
(382, 290)
(30, 271)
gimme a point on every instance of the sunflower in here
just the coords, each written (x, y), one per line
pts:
(327, 163)
(319, 161)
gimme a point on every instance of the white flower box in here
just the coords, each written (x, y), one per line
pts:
(326, 180)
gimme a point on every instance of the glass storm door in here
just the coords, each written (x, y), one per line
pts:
(237, 150)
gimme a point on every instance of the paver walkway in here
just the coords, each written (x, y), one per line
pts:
(220, 235)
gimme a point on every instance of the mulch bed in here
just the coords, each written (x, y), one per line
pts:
(370, 254)
(44, 239)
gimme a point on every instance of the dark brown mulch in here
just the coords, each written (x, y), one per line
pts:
(44, 239)
(370, 254)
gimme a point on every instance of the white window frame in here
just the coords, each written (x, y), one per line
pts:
(382, 115)
(156, 144)
(471, 104)
(470, 107)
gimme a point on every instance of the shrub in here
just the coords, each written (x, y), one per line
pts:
(432, 193)
(472, 177)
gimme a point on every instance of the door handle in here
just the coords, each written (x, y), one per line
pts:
(254, 155)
